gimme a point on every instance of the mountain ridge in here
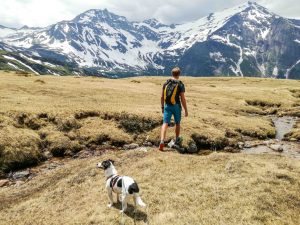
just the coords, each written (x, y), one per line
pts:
(246, 40)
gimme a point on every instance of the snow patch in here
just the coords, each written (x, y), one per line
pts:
(275, 71)
(289, 69)
(217, 56)
(23, 64)
(265, 33)
(14, 66)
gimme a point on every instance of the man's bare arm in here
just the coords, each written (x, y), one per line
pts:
(183, 102)
(162, 101)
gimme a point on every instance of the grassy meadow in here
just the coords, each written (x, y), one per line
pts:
(220, 188)
(45, 116)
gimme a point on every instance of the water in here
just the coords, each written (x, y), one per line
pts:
(283, 125)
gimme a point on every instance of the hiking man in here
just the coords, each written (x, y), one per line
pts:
(171, 99)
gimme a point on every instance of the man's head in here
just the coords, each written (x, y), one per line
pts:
(176, 72)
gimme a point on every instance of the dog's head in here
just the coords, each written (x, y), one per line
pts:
(105, 164)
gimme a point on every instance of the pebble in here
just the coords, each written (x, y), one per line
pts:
(20, 175)
(131, 146)
(241, 145)
(47, 155)
(277, 148)
(143, 149)
(148, 144)
(19, 183)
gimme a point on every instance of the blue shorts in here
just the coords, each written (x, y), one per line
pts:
(172, 110)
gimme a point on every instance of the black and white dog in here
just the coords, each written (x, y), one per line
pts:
(121, 185)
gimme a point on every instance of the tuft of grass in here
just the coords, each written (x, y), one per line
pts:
(60, 145)
(23, 73)
(96, 131)
(68, 124)
(40, 81)
(295, 92)
(86, 114)
(294, 134)
(263, 103)
(28, 121)
(19, 148)
(136, 124)
(204, 142)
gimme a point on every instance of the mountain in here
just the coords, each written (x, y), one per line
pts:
(246, 40)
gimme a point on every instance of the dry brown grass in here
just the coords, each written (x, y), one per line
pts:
(63, 115)
(294, 134)
(220, 188)
(87, 112)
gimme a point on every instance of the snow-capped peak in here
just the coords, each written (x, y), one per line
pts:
(98, 15)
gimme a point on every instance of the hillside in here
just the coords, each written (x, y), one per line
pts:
(245, 40)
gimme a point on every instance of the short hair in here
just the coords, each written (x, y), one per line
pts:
(176, 72)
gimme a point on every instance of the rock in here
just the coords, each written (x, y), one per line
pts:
(21, 175)
(131, 146)
(192, 148)
(142, 149)
(231, 149)
(241, 145)
(47, 154)
(148, 144)
(276, 148)
(19, 183)
(252, 144)
(4, 183)
(293, 139)
(247, 145)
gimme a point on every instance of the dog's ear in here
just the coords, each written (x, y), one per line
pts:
(112, 161)
(105, 164)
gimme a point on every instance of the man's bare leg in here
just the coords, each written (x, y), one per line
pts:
(177, 131)
(163, 136)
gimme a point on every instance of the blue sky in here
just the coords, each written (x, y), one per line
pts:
(16, 13)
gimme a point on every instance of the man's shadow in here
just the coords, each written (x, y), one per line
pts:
(136, 215)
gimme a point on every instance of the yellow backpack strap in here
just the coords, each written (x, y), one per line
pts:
(173, 100)
(165, 92)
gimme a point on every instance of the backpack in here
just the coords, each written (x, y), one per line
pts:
(170, 92)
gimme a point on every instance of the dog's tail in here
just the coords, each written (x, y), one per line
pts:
(138, 200)
(134, 189)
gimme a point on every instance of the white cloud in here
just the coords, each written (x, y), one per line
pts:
(16, 13)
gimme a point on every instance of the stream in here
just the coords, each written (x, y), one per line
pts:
(283, 125)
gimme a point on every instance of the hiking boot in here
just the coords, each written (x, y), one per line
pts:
(161, 146)
(178, 141)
